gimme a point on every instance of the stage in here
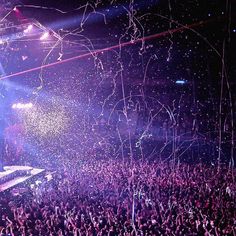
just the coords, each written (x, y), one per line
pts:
(13, 176)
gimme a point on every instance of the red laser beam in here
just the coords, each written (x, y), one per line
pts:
(150, 37)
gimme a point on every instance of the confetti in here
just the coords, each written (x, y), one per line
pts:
(120, 79)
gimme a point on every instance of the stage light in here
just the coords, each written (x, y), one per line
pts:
(180, 82)
(15, 9)
(44, 36)
(22, 105)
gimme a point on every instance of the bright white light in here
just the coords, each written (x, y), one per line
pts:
(22, 105)
(180, 81)
(28, 29)
(29, 105)
(44, 36)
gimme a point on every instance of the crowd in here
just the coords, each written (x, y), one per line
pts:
(114, 198)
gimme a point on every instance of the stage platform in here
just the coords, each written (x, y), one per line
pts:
(15, 175)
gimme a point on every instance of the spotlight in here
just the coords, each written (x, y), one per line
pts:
(15, 9)
(22, 105)
(44, 36)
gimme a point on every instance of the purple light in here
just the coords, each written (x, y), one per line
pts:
(44, 36)
(22, 105)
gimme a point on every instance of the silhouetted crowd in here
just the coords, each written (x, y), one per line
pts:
(114, 198)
